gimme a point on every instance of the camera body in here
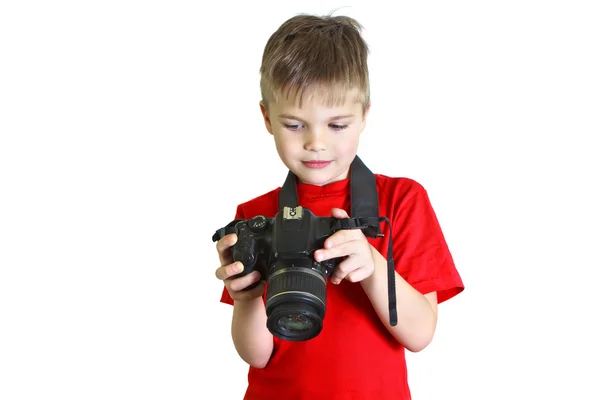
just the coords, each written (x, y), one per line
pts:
(293, 235)
(282, 250)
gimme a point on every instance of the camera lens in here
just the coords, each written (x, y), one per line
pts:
(295, 300)
(295, 323)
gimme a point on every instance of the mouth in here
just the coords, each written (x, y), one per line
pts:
(316, 164)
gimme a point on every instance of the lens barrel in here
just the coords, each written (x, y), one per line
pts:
(296, 297)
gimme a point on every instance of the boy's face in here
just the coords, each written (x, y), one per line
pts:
(317, 143)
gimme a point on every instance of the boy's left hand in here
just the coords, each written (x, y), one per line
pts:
(353, 244)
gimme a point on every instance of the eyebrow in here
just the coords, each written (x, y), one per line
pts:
(289, 116)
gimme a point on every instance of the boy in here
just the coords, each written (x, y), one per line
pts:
(315, 101)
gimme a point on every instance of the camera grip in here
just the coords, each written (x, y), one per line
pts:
(245, 252)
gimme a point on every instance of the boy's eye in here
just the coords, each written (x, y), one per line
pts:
(335, 127)
(338, 127)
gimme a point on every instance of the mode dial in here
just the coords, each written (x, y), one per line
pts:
(258, 224)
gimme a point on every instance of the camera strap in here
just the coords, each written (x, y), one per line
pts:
(364, 215)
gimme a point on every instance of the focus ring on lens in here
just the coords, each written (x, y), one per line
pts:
(299, 284)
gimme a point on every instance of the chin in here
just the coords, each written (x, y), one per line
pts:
(316, 182)
(317, 178)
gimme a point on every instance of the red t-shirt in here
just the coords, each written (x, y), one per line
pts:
(354, 356)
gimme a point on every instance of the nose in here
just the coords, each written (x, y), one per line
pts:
(315, 141)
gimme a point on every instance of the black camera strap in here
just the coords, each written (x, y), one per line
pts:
(364, 216)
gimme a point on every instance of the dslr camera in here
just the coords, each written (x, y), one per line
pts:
(282, 250)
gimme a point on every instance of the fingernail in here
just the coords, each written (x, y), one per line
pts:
(238, 267)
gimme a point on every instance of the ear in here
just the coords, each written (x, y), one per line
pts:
(265, 114)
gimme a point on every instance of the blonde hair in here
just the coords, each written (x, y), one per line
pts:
(316, 53)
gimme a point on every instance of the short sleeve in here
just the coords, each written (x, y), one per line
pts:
(421, 254)
(225, 297)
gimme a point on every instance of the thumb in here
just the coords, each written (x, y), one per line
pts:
(339, 213)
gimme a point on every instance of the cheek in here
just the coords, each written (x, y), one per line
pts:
(285, 146)
(348, 145)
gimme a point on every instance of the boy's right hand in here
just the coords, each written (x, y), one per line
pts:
(229, 268)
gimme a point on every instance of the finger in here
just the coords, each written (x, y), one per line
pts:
(224, 244)
(358, 275)
(344, 249)
(227, 271)
(337, 277)
(339, 213)
(344, 235)
(226, 241)
(237, 284)
(337, 238)
(343, 269)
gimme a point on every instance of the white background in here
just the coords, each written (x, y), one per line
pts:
(131, 130)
